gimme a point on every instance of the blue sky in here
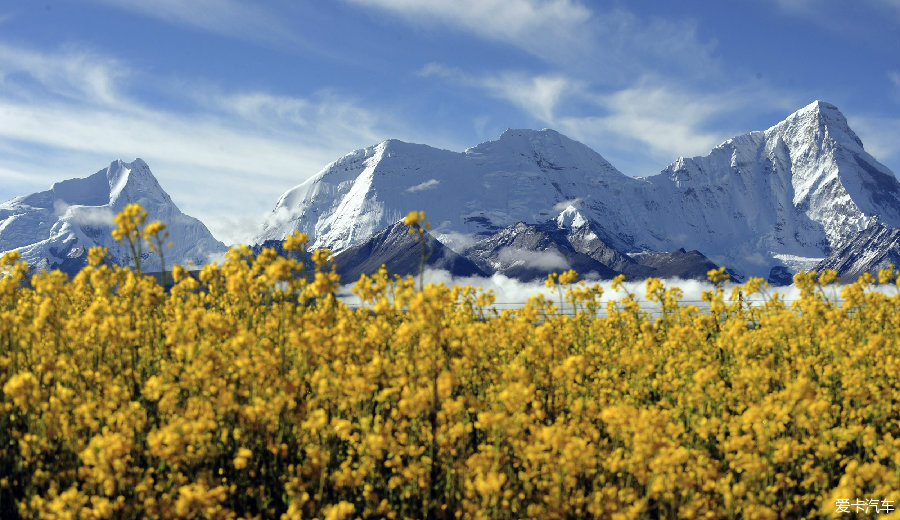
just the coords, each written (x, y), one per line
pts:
(232, 102)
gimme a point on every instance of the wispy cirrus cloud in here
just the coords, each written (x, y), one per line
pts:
(232, 18)
(72, 73)
(241, 147)
(668, 120)
(609, 46)
(817, 9)
(894, 76)
(851, 20)
(537, 94)
(651, 117)
(541, 27)
(615, 103)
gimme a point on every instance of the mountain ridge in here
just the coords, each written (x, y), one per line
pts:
(771, 201)
(781, 197)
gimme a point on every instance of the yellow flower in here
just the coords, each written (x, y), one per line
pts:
(551, 280)
(568, 277)
(24, 389)
(96, 254)
(416, 222)
(412, 218)
(339, 511)
(717, 275)
(153, 229)
(617, 282)
(242, 457)
(9, 258)
(295, 242)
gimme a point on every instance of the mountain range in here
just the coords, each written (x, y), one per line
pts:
(767, 203)
(802, 194)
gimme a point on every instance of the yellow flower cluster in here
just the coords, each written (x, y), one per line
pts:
(251, 391)
(416, 222)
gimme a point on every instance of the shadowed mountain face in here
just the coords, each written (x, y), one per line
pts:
(875, 248)
(401, 253)
(528, 252)
(573, 229)
(688, 265)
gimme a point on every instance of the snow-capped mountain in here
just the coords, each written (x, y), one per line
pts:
(55, 228)
(783, 198)
(523, 176)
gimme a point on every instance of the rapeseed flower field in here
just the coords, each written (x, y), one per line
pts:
(253, 392)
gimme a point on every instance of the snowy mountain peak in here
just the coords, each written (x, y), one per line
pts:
(55, 228)
(820, 120)
(570, 218)
(546, 149)
(524, 140)
(117, 185)
(824, 111)
(799, 189)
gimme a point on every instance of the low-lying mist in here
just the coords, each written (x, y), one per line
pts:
(512, 294)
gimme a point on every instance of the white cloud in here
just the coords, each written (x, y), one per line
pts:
(561, 206)
(458, 242)
(852, 21)
(442, 71)
(818, 10)
(651, 117)
(234, 150)
(72, 73)
(579, 39)
(538, 95)
(548, 260)
(513, 294)
(427, 185)
(234, 18)
(666, 120)
(605, 45)
(92, 216)
(542, 27)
